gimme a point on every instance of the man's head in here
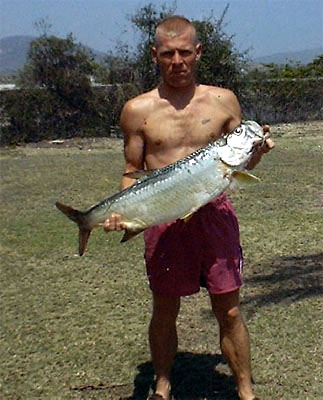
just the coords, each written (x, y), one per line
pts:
(172, 27)
(176, 51)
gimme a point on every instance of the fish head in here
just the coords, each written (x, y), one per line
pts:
(237, 147)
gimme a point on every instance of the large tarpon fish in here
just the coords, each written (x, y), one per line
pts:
(177, 190)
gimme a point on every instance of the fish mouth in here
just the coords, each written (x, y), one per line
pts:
(259, 141)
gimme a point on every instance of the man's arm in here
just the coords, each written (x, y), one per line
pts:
(265, 148)
(227, 106)
(230, 101)
(131, 122)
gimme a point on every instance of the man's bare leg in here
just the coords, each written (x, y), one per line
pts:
(163, 340)
(234, 340)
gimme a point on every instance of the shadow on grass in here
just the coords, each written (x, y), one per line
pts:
(194, 376)
(286, 279)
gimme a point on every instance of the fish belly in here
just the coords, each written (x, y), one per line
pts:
(177, 196)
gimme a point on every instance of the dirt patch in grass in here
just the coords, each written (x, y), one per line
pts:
(305, 129)
(77, 143)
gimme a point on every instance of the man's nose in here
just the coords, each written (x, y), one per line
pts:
(177, 59)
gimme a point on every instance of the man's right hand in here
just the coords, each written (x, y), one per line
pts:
(114, 223)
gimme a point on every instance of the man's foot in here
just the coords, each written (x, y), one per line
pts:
(246, 393)
(162, 389)
(156, 396)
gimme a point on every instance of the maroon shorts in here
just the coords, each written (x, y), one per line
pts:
(204, 251)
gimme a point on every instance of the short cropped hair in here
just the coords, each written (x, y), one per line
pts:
(173, 26)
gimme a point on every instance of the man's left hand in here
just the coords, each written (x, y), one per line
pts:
(261, 150)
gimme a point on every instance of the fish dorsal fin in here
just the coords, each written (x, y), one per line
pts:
(139, 174)
(244, 178)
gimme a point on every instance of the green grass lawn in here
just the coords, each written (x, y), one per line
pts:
(76, 327)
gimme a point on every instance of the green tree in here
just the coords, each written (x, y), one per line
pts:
(220, 64)
(286, 93)
(62, 67)
(313, 69)
(121, 65)
(59, 96)
(145, 21)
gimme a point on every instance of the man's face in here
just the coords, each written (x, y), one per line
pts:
(176, 57)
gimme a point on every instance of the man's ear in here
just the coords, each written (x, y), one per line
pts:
(198, 51)
(154, 54)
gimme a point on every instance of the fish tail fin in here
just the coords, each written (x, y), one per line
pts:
(80, 218)
(84, 235)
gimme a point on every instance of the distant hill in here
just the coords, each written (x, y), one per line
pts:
(292, 57)
(13, 54)
(14, 49)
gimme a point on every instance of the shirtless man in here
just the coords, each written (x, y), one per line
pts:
(161, 127)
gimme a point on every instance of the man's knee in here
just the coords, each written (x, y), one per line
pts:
(229, 318)
(226, 308)
(165, 308)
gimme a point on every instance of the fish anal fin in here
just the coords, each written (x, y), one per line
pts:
(130, 234)
(133, 228)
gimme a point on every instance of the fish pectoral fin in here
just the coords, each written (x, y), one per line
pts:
(187, 218)
(130, 234)
(244, 178)
(139, 174)
(189, 215)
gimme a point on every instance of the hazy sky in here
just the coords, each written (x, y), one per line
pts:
(263, 26)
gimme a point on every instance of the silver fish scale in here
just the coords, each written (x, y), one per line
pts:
(182, 187)
(177, 190)
(160, 174)
(172, 191)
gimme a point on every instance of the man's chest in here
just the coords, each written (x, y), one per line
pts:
(191, 126)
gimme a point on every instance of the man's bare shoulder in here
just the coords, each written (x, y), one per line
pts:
(225, 101)
(225, 97)
(143, 103)
(217, 92)
(137, 110)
